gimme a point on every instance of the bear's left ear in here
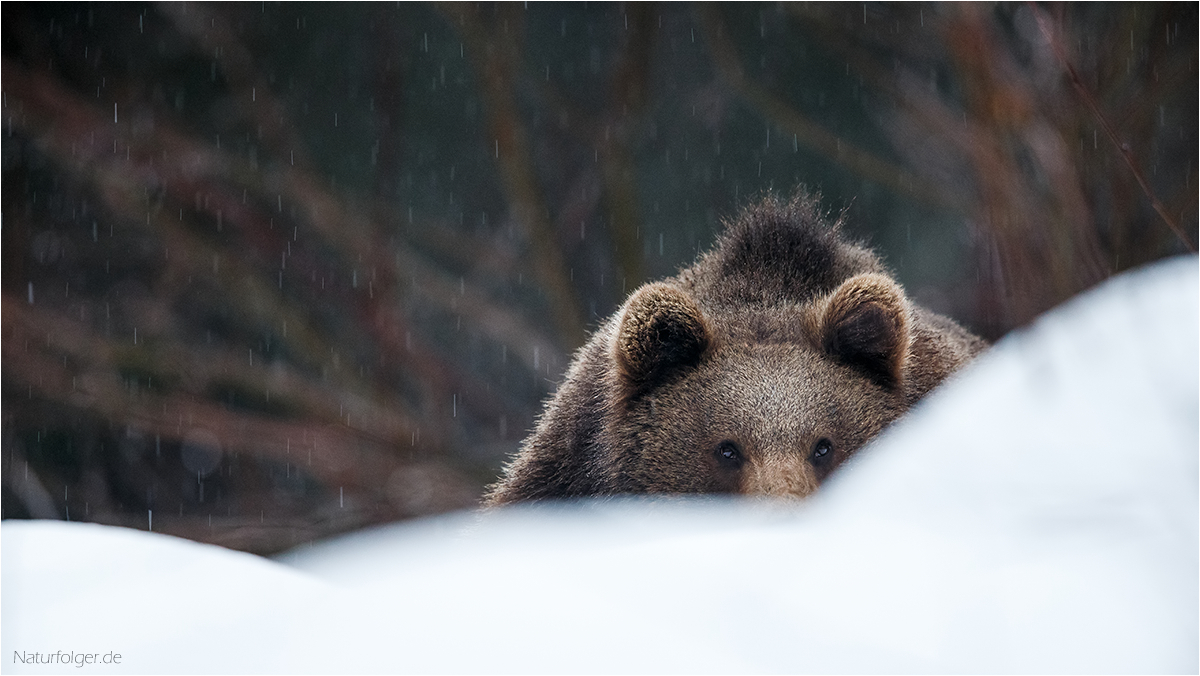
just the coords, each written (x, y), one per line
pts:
(662, 329)
(865, 324)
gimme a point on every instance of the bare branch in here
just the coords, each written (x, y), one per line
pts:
(1122, 147)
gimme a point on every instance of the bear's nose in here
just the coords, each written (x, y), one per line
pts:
(779, 475)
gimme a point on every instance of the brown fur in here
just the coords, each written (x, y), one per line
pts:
(758, 370)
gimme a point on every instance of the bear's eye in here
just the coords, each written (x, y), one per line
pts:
(729, 454)
(822, 452)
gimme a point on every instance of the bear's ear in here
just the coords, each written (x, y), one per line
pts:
(865, 324)
(661, 329)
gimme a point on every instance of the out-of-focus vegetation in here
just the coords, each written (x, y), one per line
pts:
(273, 272)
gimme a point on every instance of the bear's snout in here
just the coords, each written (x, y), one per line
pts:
(779, 475)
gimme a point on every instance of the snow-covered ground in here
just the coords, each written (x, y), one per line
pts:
(1040, 514)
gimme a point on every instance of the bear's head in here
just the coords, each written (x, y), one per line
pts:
(743, 403)
(758, 370)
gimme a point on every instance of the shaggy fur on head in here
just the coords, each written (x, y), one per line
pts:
(758, 369)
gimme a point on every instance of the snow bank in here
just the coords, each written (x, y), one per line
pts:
(1039, 514)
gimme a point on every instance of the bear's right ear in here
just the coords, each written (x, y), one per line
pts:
(661, 329)
(865, 324)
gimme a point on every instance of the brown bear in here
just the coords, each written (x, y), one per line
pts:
(757, 370)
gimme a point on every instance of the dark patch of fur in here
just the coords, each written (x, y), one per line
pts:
(778, 251)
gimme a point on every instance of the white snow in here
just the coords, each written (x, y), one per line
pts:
(1039, 514)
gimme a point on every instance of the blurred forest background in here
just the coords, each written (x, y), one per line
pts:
(277, 271)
